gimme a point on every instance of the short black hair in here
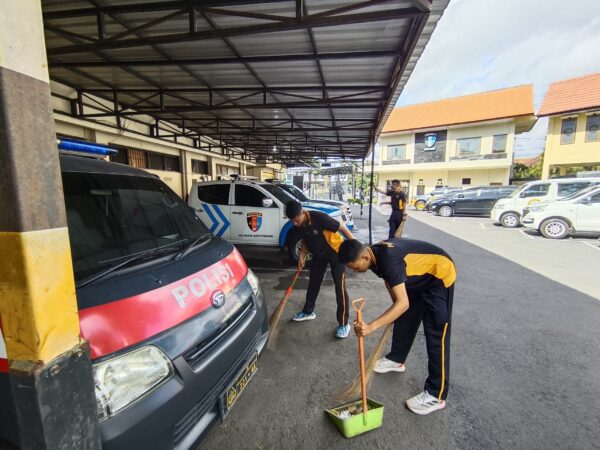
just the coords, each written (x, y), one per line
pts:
(293, 208)
(395, 181)
(349, 251)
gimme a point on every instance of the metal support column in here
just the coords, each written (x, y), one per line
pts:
(46, 383)
(371, 189)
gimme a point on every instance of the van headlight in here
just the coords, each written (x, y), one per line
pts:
(122, 380)
(254, 283)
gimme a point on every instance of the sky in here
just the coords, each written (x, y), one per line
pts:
(481, 45)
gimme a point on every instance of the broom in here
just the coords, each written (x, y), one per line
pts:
(277, 313)
(354, 389)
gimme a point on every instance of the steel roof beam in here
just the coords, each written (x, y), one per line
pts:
(271, 89)
(146, 7)
(228, 60)
(305, 22)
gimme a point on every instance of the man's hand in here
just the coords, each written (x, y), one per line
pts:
(362, 328)
(404, 217)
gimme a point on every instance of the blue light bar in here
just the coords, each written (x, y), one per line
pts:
(85, 147)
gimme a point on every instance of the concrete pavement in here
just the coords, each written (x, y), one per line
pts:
(524, 370)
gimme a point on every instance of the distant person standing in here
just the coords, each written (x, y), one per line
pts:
(398, 200)
(339, 189)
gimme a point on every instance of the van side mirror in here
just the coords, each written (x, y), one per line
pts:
(267, 202)
(585, 201)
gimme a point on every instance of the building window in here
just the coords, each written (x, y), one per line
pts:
(466, 181)
(396, 151)
(143, 159)
(120, 157)
(200, 167)
(469, 146)
(592, 129)
(226, 170)
(137, 158)
(499, 143)
(567, 131)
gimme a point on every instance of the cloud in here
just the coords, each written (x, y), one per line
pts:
(481, 45)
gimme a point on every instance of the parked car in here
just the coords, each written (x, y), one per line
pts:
(299, 195)
(251, 212)
(173, 316)
(508, 211)
(420, 202)
(475, 201)
(578, 213)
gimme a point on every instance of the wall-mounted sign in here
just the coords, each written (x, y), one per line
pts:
(430, 146)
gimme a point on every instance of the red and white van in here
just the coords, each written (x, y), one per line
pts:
(174, 317)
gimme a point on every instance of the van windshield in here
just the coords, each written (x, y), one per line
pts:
(113, 218)
(516, 192)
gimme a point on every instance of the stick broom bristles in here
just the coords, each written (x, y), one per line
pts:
(353, 391)
(277, 313)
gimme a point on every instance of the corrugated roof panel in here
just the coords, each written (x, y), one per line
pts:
(234, 49)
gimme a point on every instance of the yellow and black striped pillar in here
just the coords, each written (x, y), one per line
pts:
(49, 370)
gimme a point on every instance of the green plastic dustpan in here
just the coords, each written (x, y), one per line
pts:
(359, 423)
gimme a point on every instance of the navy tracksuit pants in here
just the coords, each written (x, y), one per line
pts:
(432, 307)
(395, 220)
(318, 267)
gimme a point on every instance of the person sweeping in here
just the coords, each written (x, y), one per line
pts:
(398, 201)
(420, 278)
(320, 237)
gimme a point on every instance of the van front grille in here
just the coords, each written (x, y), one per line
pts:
(195, 353)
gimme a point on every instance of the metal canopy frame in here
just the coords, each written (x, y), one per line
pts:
(272, 80)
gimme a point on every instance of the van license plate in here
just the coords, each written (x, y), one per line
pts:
(235, 389)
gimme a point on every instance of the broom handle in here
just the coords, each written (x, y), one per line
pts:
(358, 305)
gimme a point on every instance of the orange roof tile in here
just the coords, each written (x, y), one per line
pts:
(575, 94)
(499, 104)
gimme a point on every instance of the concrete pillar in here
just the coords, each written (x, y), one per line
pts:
(46, 370)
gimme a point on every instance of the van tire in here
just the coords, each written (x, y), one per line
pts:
(555, 228)
(446, 211)
(510, 220)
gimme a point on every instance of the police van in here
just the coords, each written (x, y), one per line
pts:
(174, 318)
(508, 211)
(245, 211)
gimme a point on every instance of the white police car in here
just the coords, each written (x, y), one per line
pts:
(250, 212)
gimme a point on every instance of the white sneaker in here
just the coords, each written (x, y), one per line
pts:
(424, 403)
(385, 365)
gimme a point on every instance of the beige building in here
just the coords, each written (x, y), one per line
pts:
(573, 140)
(178, 162)
(462, 141)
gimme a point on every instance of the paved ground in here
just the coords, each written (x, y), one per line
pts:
(524, 364)
(572, 261)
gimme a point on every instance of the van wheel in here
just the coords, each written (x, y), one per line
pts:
(555, 229)
(446, 211)
(510, 220)
(420, 205)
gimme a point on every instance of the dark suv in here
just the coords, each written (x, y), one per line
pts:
(475, 201)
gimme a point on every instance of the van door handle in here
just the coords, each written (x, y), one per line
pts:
(237, 212)
(200, 210)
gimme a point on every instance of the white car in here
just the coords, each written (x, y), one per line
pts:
(250, 212)
(301, 197)
(579, 213)
(508, 211)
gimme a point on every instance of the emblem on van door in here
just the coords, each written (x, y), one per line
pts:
(430, 140)
(218, 299)
(254, 220)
